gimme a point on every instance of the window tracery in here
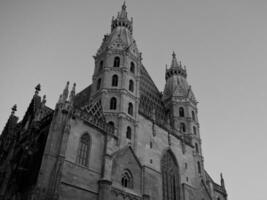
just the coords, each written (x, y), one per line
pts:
(127, 179)
(170, 177)
(83, 152)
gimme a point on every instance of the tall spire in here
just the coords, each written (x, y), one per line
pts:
(176, 68)
(123, 12)
(122, 20)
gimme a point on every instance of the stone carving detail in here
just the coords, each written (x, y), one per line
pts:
(120, 194)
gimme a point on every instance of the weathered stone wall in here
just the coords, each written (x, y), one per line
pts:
(81, 182)
(151, 157)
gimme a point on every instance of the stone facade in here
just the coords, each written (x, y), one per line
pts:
(119, 138)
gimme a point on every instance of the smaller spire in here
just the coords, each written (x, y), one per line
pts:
(37, 89)
(222, 180)
(72, 93)
(14, 109)
(66, 92)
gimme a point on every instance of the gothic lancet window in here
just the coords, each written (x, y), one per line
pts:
(130, 109)
(196, 147)
(193, 116)
(181, 112)
(129, 133)
(84, 148)
(113, 103)
(198, 167)
(132, 68)
(182, 127)
(127, 179)
(131, 85)
(98, 84)
(116, 62)
(115, 80)
(194, 130)
(170, 177)
(101, 64)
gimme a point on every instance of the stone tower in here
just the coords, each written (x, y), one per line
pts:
(181, 106)
(116, 77)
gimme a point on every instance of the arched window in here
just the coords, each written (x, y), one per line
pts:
(101, 64)
(198, 167)
(170, 177)
(194, 130)
(115, 80)
(98, 84)
(113, 103)
(181, 112)
(129, 133)
(131, 85)
(196, 147)
(182, 127)
(116, 62)
(132, 68)
(130, 109)
(84, 148)
(193, 115)
(127, 179)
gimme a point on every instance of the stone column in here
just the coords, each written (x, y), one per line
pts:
(104, 189)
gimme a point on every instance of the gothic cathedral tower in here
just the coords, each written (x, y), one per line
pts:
(181, 104)
(116, 77)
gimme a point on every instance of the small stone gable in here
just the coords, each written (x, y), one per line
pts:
(125, 159)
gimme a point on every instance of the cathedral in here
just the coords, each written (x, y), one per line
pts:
(120, 138)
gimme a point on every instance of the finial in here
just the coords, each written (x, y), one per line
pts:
(37, 89)
(123, 6)
(14, 109)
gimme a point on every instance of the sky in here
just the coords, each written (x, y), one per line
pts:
(222, 43)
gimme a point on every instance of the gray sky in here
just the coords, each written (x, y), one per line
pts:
(223, 44)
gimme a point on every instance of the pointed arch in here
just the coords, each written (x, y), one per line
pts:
(170, 176)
